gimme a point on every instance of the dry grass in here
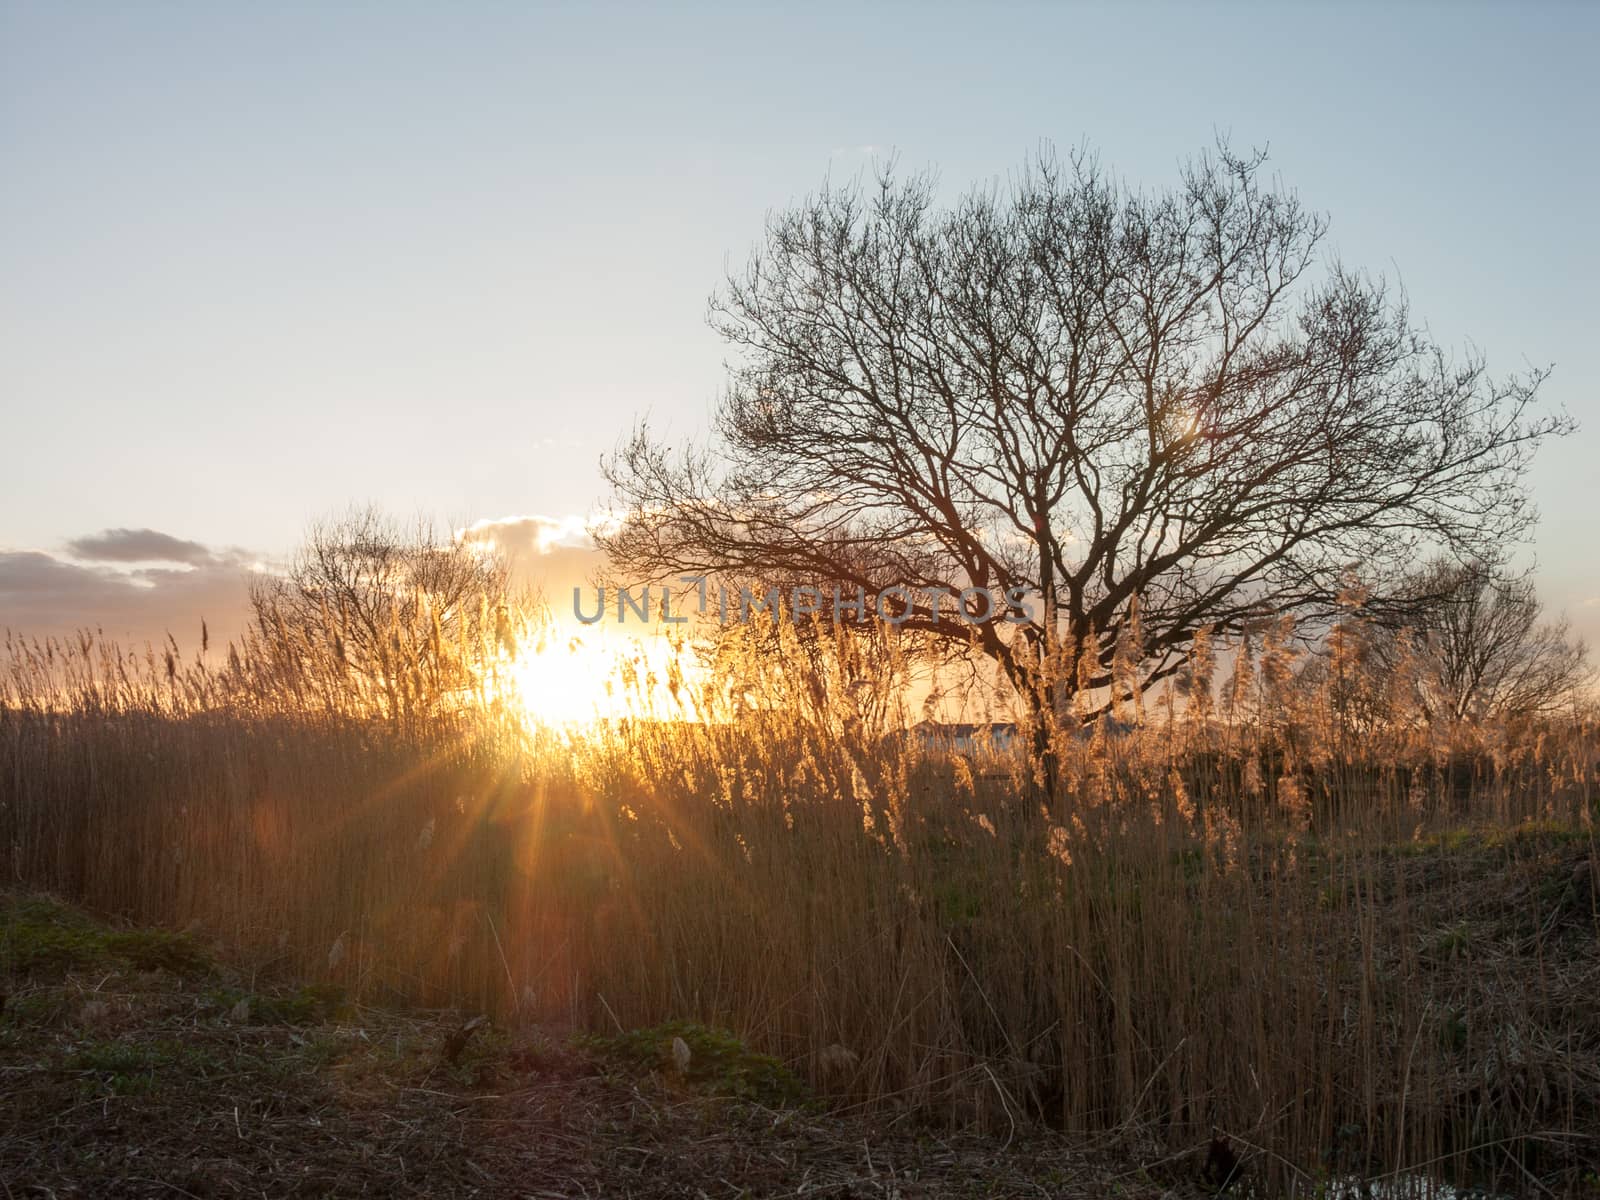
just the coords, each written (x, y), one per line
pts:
(1357, 943)
(128, 1083)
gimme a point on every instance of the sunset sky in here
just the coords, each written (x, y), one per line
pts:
(258, 263)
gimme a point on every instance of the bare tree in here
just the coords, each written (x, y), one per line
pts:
(379, 616)
(1486, 651)
(1141, 409)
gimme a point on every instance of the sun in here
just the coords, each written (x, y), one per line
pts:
(572, 678)
(561, 683)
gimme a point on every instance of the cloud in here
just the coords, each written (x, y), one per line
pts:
(137, 585)
(552, 555)
(45, 595)
(530, 535)
(136, 546)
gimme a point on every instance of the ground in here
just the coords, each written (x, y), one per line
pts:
(139, 1063)
(132, 1064)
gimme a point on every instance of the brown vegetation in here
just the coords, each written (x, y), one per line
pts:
(1356, 940)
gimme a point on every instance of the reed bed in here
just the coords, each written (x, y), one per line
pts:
(1359, 943)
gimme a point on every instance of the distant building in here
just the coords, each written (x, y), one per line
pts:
(945, 737)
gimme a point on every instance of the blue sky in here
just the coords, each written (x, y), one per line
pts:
(258, 263)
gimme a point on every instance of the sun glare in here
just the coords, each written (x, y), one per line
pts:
(581, 678)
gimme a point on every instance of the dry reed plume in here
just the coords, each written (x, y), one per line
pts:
(1279, 904)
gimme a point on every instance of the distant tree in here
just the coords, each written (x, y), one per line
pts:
(1486, 651)
(375, 615)
(1137, 407)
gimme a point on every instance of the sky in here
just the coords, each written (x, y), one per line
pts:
(260, 262)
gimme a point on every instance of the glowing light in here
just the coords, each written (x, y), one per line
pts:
(579, 678)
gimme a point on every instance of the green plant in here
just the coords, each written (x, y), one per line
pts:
(718, 1062)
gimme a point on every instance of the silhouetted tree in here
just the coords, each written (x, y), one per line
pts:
(1140, 408)
(374, 615)
(1486, 653)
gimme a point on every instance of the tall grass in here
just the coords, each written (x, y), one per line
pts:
(1258, 914)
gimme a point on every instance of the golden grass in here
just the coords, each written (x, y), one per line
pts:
(1266, 920)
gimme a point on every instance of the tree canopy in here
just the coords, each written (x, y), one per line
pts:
(1149, 412)
(375, 616)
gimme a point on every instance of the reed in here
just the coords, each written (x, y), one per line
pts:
(1357, 942)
